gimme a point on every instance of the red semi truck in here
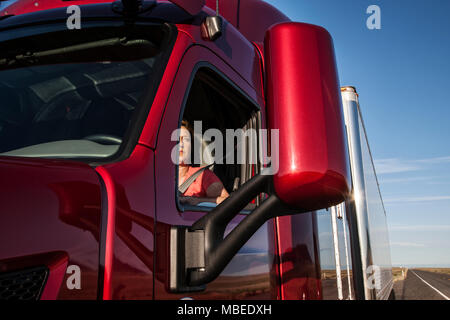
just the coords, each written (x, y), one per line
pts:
(89, 200)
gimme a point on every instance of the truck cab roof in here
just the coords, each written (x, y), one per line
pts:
(251, 17)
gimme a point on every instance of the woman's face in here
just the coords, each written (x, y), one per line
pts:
(185, 146)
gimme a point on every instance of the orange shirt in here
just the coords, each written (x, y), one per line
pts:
(201, 184)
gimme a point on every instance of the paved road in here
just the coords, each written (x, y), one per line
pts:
(424, 285)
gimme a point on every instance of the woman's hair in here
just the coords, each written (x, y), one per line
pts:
(187, 125)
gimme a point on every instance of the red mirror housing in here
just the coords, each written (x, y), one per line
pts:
(304, 104)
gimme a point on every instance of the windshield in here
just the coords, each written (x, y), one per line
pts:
(80, 107)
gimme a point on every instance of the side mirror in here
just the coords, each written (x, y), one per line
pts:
(304, 104)
(309, 172)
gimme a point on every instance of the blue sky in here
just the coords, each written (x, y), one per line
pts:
(4, 3)
(402, 75)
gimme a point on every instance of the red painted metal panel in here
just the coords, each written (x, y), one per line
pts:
(299, 257)
(193, 7)
(131, 226)
(304, 104)
(251, 17)
(110, 229)
(47, 206)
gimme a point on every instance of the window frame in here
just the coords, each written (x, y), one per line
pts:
(256, 114)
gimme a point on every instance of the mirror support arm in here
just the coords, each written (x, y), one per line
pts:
(200, 253)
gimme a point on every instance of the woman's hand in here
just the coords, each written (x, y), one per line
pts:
(217, 192)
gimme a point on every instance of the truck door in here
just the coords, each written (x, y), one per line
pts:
(212, 95)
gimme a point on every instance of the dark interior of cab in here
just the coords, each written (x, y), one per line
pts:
(73, 97)
(218, 104)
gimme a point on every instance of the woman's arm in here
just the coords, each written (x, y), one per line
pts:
(216, 193)
(217, 190)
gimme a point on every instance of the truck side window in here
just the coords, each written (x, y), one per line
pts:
(222, 125)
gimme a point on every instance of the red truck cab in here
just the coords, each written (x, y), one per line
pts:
(89, 206)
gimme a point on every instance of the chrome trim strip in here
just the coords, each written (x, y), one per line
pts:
(351, 116)
(173, 254)
(336, 253)
(344, 223)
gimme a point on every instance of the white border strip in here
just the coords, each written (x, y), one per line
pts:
(447, 298)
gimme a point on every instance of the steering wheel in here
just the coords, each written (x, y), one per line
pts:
(107, 139)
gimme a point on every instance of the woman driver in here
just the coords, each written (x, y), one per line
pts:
(207, 187)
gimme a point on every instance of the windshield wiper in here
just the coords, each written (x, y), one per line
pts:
(33, 57)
